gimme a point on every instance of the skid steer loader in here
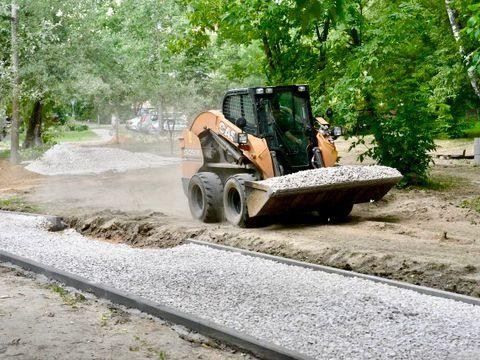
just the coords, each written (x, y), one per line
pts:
(264, 133)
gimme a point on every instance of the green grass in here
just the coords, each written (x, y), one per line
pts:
(69, 136)
(18, 204)
(27, 154)
(474, 131)
(68, 298)
(5, 154)
(34, 152)
(52, 136)
(473, 203)
(145, 346)
(438, 183)
(118, 316)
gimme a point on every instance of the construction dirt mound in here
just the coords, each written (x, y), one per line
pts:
(15, 180)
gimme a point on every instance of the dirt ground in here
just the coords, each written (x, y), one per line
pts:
(15, 180)
(40, 320)
(417, 235)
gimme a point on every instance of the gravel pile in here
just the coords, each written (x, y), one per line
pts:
(325, 316)
(72, 159)
(329, 175)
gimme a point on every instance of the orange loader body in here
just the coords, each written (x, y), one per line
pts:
(261, 133)
(256, 150)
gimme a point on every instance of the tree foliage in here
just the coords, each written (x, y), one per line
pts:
(392, 69)
(472, 32)
(388, 68)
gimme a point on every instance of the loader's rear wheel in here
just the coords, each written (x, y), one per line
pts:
(234, 200)
(204, 197)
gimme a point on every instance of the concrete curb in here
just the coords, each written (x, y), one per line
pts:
(400, 284)
(235, 339)
(56, 223)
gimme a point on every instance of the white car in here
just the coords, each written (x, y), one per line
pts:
(133, 124)
(149, 123)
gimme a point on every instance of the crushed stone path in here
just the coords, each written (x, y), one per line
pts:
(325, 316)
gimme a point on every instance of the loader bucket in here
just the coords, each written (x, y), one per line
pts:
(264, 200)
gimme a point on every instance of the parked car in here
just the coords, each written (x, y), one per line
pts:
(149, 123)
(132, 124)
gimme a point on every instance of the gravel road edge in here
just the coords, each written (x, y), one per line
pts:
(54, 223)
(399, 284)
(228, 336)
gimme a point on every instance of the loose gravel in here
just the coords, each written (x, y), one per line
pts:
(325, 316)
(74, 159)
(330, 175)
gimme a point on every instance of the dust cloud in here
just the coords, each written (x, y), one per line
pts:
(155, 189)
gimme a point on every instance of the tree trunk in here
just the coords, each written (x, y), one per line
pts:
(268, 53)
(37, 132)
(33, 136)
(322, 38)
(355, 36)
(452, 17)
(14, 145)
(161, 112)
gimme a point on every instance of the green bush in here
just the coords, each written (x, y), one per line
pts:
(35, 152)
(404, 141)
(49, 135)
(18, 204)
(77, 127)
(447, 125)
(473, 131)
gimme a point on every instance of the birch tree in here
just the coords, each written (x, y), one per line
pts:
(14, 147)
(467, 58)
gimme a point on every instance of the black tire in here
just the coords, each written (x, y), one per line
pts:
(234, 200)
(204, 197)
(338, 213)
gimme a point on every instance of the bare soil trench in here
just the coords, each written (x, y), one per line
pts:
(419, 236)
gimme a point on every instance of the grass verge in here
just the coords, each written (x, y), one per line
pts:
(438, 183)
(69, 136)
(57, 136)
(146, 346)
(473, 132)
(16, 203)
(473, 203)
(68, 298)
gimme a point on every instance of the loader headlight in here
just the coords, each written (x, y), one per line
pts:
(260, 91)
(242, 138)
(302, 88)
(337, 131)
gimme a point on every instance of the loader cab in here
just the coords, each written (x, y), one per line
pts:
(281, 115)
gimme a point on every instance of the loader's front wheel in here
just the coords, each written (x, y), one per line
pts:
(339, 213)
(335, 214)
(234, 200)
(204, 197)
